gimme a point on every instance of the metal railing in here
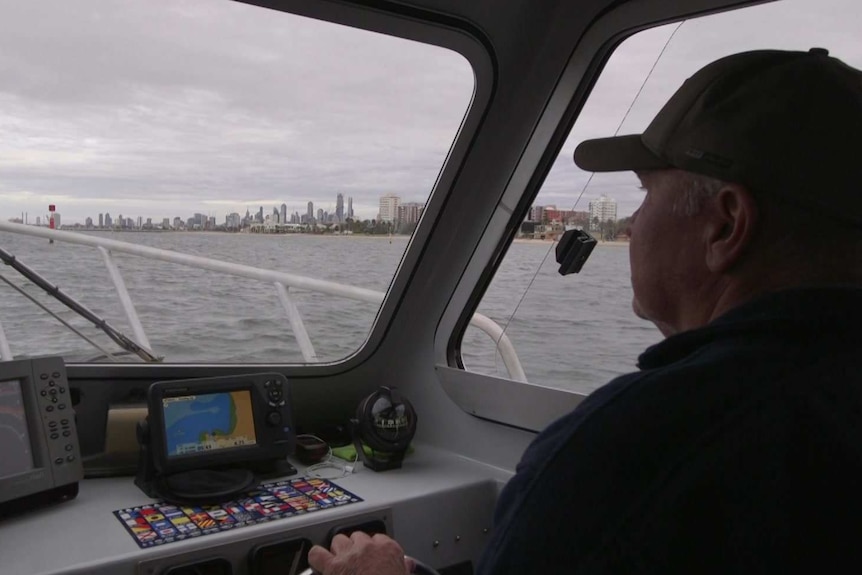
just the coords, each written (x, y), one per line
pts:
(283, 283)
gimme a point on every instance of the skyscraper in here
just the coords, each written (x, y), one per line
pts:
(283, 218)
(339, 208)
(603, 209)
(310, 214)
(388, 208)
(350, 207)
(409, 213)
(101, 220)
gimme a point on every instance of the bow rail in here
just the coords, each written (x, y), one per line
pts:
(282, 281)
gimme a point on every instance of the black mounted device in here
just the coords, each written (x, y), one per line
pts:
(40, 459)
(385, 422)
(208, 439)
(573, 249)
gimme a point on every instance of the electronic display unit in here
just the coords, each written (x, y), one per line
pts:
(215, 422)
(40, 459)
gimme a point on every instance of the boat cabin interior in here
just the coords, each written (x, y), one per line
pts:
(522, 79)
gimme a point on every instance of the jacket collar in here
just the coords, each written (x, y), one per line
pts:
(808, 312)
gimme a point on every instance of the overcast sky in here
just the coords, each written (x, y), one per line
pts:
(164, 108)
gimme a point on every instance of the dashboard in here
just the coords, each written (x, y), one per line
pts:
(439, 506)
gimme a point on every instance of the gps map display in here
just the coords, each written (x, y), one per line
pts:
(17, 456)
(199, 423)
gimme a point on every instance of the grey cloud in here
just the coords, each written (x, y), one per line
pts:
(176, 106)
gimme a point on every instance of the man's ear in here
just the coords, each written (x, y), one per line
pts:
(732, 221)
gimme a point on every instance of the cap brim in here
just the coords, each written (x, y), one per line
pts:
(617, 154)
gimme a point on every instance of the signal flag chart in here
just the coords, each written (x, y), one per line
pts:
(162, 523)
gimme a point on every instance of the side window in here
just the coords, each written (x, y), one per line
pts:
(577, 332)
(249, 178)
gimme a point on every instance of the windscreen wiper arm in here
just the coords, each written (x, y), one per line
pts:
(119, 338)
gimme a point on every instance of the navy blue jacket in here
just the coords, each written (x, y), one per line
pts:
(737, 448)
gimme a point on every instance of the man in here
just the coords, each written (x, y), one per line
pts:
(737, 447)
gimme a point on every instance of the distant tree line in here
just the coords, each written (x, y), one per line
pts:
(610, 230)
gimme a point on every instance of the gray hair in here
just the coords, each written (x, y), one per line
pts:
(694, 190)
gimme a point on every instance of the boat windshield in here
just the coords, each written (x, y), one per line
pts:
(577, 332)
(267, 169)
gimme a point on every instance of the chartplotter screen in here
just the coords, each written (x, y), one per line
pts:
(208, 422)
(18, 455)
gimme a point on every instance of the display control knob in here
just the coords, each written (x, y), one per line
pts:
(273, 418)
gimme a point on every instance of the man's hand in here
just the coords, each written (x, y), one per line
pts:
(360, 554)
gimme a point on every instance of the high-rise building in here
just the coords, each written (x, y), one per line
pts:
(108, 221)
(602, 210)
(101, 220)
(350, 207)
(88, 222)
(310, 214)
(409, 213)
(339, 208)
(537, 213)
(166, 223)
(283, 218)
(178, 223)
(388, 208)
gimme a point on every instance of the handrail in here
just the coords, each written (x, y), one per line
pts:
(5, 350)
(66, 324)
(107, 245)
(82, 310)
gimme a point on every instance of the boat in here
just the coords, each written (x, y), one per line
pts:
(531, 68)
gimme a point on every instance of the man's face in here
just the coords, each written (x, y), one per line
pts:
(665, 252)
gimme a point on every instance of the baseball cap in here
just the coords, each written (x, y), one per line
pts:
(783, 123)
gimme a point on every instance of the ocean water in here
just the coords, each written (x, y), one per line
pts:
(573, 332)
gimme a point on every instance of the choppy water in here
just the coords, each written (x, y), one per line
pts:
(574, 332)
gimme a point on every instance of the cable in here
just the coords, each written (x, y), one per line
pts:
(69, 326)
(36, 279)
(328, 462)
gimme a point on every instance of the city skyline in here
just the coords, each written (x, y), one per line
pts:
(277, 213)
(391, 210)
(220, 215)
(30, 217)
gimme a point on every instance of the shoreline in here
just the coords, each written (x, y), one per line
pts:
(598, 242)
(364, 236)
